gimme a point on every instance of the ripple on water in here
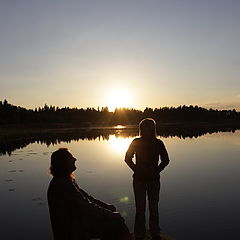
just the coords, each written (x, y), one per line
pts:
(41, 204)
(39, 201)
(36, 199)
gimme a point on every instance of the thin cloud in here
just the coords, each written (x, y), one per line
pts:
(224, 106)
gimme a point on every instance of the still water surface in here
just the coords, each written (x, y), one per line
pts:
(199, 196)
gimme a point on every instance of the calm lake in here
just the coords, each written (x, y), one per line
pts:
(199, 196)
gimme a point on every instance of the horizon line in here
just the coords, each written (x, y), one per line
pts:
(221, 107)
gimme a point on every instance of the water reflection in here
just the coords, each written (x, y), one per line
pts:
(119, 144)
(119, 127)
(199, 193)
(8, 144)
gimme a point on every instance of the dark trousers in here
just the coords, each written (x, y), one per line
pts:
(141, 190)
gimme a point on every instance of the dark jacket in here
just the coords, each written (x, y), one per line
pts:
(69, 204)
(147, 152)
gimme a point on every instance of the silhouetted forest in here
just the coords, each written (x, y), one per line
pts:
(55, 116)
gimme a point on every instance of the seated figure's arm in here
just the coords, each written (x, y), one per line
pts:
(87, 205)
(98, 202)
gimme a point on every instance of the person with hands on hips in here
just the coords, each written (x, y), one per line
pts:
(146, 177)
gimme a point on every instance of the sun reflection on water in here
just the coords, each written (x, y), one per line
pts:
(119, 127)
(119, 144)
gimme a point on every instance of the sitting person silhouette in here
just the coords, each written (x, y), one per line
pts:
(146, 178)
(74, 214)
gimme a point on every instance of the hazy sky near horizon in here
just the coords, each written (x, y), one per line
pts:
(162, 53)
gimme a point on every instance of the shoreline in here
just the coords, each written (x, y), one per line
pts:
(9, 130)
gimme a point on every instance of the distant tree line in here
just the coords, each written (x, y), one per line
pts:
(52, 115)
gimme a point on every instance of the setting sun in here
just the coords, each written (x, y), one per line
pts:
(118, 99)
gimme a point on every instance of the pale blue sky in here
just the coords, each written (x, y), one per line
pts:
(164, 53)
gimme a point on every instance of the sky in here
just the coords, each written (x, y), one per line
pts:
(133, 53)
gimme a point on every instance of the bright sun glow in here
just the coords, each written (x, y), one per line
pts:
(119, 99)
(119, 144)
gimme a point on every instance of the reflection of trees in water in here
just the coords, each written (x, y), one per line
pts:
(193, 132)
(8, 144)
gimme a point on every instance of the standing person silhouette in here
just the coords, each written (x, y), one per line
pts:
(74, 214)
(146, 178)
